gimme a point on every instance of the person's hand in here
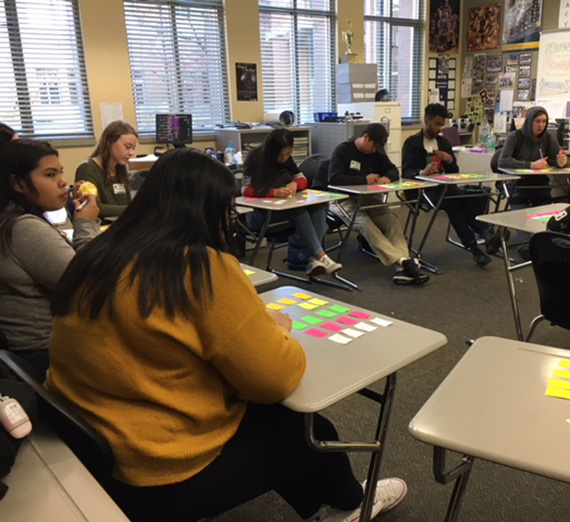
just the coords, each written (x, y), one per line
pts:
(75, 188)
(88, 211)
(383, 180)
(292, 187)
(283, 192)
(372, 178)
(541, 163)
(443, 156)
(562, 159)
(281, 319)
(431, 168)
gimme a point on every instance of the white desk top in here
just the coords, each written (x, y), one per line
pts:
(395, 186)
(257, 276)
(144, 162)
(463, 178)
(335, 371)
(49, 484)
(304, 198)
(532, 219)
(534, 172)
(493, 406)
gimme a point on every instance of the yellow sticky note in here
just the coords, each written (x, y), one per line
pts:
(565, 363)
(308, 306)
(287, 301)
(555, 383)
(563, 374)
(273, 306)
(248, 272)
(318, 302)
(568, 421)
(558, 392)
(300, 295)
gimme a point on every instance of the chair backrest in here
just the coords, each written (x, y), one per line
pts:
(495, 161)
(87, 444)
(321, 179)
(137, 179)
(452, 135)
(310, 165)
(550, 254)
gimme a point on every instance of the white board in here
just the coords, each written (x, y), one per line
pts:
(553, 72)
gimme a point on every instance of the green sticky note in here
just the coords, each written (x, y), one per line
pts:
(299, 326)
(326, 313)
(311, 320)
(339, 309)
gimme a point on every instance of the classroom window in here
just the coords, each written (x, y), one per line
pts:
(298, 57)
(178, 61)
(43, 82)
(393, 39)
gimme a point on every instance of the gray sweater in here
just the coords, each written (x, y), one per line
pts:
(29, 270)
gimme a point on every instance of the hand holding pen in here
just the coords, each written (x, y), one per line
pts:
(541, 163)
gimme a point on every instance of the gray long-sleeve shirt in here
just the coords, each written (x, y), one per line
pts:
(29, 270)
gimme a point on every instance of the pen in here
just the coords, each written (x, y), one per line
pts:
(82, 205)
(540, 152)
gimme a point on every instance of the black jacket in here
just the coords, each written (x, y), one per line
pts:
(414, 156)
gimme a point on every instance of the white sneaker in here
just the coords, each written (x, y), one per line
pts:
(389, 493)
(315, 267)
(330, 265)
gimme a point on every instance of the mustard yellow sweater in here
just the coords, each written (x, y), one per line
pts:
(169, 393)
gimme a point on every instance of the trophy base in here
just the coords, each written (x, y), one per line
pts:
(349, 58)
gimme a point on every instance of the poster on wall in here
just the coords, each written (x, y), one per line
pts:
(521, 29)
(246, 79)
(483, 28)
(444, 26)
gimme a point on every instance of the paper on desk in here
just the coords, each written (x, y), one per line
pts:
(341, 339)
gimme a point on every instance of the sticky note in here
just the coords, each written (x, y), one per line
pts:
(287, 301)
(380, 322)
(340, 309)
(300, 295)
(360, 315)
(347, 320)
(326, 313)
(299, 326)
(318, 302)
(248, 272)
(273, 306)
(311, 320)
(555, 383)
(332, 327)
(564, 374)
(316, 333)
(308, 306)
(352, 332)
(366, 327)
(565, 363)
(341, 339)
(280, 202)
(558, 392)
(568, 421)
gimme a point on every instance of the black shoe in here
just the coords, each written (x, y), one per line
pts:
(524, 252)
(401, 278)
(411, 268)
(492, 241)
(479, 256)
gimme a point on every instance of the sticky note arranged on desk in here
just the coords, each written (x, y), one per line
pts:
(273, 306)
(318, 302)
(352, 332)
(299, 326)
(347, 320)
(558, 392)
(565, 363)
(380, 322)
(557, 383)
(311, 320)
(308, 306)
(360, 315)
(248, 272)
(341, 339)
(287, 301)
(326, 313)
(317, 333)
(563, 374)
(365, 327)
(301, 295)
(332, 327)
(340, 309)
(251, 199)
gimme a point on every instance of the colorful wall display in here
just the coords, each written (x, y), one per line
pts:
(444, 26)
(484, 28)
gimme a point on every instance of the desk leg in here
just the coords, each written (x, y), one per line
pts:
(349, 228)
(511, 283)
(260, 237)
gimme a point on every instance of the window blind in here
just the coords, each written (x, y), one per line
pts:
(43, 81)
(394, 39)
(178, 61)
(298, 56)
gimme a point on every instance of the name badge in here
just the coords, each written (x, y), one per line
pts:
(119, 188)
(355, 165)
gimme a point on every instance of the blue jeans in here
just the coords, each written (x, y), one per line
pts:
(311, 224)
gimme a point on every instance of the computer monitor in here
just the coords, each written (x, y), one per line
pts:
(174, 128)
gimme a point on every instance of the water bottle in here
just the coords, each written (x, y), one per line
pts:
(229, 155)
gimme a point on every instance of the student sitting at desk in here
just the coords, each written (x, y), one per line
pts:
(428, 152)
(532, 147)
(34, 255)
(363, 161)
(163, 345)
(107, 167)
(270, 171)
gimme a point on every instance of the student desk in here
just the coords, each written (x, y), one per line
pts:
(335, 371)
(301, 199)
(556, 172)
(49, 484)
(446, 180)
(257, 276)
(493, 406)
(142, 163)
(531, 220)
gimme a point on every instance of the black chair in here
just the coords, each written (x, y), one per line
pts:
(137, 179)
(550, 255)
(310, 165)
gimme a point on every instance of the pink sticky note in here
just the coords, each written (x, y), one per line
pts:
(347, 320)
(251, 199)
(378, 187)
(360, 315)
(332, 327)
(316, 333)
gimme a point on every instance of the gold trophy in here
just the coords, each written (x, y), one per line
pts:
(348, 39)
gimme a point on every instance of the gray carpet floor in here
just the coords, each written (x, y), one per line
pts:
(465, 302)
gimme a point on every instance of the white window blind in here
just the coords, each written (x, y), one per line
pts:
(43, 83)
(178, 61)
(394, 39)
(298, 57)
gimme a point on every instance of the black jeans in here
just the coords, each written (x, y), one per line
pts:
(268, 452)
